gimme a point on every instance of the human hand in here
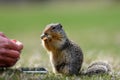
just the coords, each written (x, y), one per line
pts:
(9, 51)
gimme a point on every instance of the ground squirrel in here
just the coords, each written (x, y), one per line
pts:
(66, 56)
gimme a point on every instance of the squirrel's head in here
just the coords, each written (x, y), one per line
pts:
(53, 32)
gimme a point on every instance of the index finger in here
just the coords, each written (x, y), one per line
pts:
(12, 45)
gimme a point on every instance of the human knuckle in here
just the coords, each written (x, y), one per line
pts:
(6, 43)
(1, 33)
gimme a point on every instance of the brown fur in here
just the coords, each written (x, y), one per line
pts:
(66, 57)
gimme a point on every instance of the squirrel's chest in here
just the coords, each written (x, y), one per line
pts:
(57, 58)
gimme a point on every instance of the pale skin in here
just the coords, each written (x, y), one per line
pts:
(9, 51)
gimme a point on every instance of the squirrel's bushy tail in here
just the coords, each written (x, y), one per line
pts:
(97, 68)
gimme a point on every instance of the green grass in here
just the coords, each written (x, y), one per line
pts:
(94, 26)
(17, 75)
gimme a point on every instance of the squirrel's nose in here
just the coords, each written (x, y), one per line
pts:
(42, 36)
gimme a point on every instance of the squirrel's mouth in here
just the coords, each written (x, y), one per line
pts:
(45, 37)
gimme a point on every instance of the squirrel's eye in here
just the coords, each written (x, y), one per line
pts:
(45, 34)
(53, 27)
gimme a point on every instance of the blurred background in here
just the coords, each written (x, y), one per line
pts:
(93, 24)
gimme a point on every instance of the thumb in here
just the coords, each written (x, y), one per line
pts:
(20, 45)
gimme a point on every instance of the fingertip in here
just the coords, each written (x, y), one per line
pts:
(20, 45)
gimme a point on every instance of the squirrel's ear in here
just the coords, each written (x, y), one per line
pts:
(59, 25)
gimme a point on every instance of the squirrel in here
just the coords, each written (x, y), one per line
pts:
(66, 57)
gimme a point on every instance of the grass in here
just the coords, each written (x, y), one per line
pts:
(17, 75)
(94, 26)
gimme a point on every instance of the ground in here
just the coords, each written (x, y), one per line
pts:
(93, 26)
